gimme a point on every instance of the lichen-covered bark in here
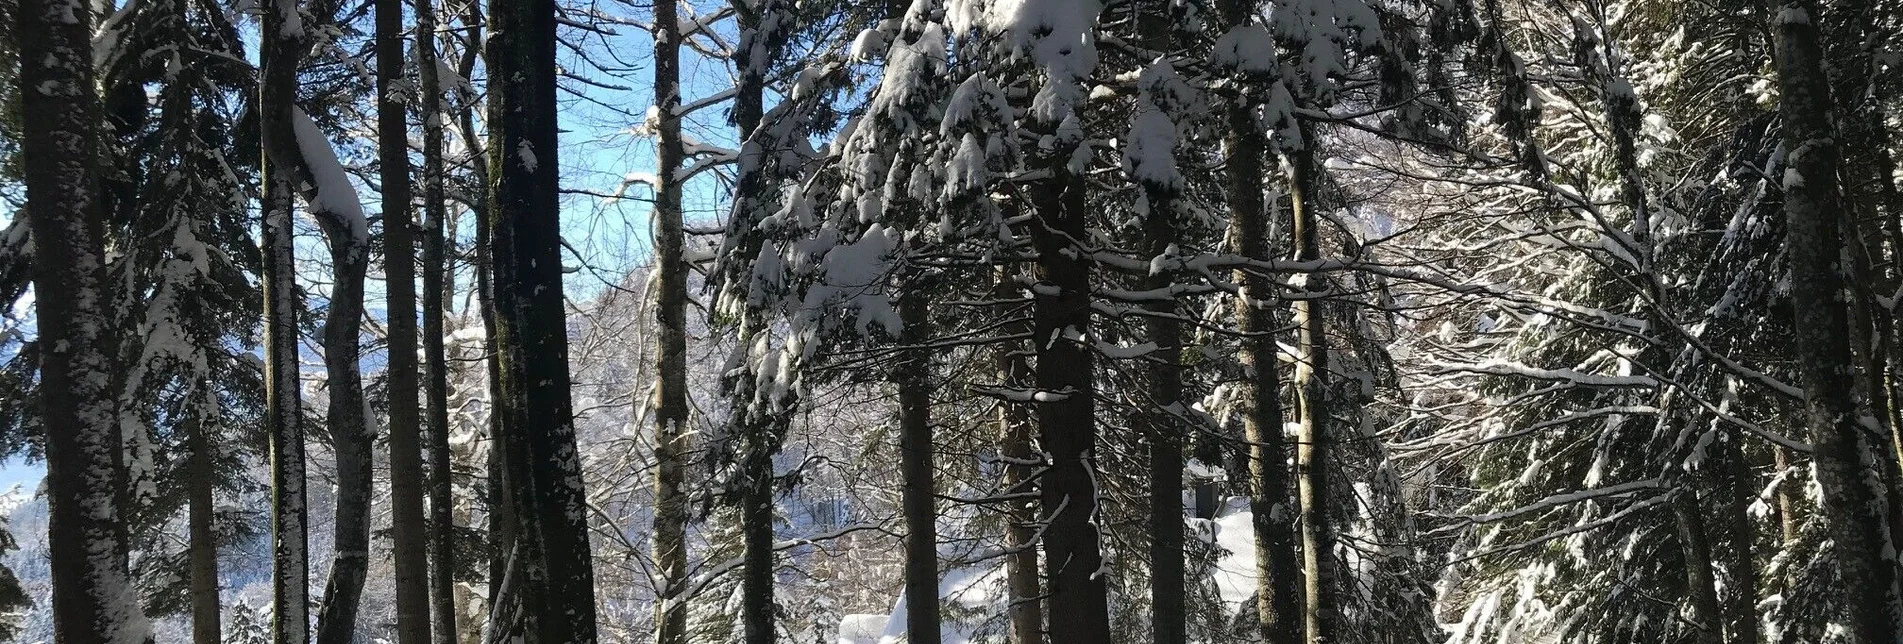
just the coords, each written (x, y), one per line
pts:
(1847, 450)
(1278, 597)
(1312, 460)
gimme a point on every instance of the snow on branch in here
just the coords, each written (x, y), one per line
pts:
(1551, 502)
(331, 194)
(1510, 368)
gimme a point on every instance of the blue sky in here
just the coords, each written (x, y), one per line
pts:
(17, 471)
(599, 148)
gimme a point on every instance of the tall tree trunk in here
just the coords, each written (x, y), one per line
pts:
(756, 499)
(500, 496)
(1739, 486)
(60, 120)
(279, 53)
(1869, 191)
(499, 504)
(1623, 120)
(1312, 455)
(350, 434)
(1167, 591)
(399, 246)
(1020, 458)
(918, 490)
(202, 518)
(550, 564)
(1700, 592)
(1854, 499)
(670, 394)
(1161, 411)
(757, 603)
(1067, 424)
(441, 525)
(1277, 597)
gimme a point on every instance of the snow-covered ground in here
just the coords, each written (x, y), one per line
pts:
(980, 589)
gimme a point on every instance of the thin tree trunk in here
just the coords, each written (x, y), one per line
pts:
(408, 552)
(290, 558)
(1277, 597)
(60, 121)
(1738, 485)
(1167, 592)
(757, 608)
(1020, 457)
(551, 563)
(500, 504)
(500, 496)
(1623, 120)
(347, 417)
(915, 465)
(202, 518)
(1854, 500)
(1700, 591)
(436, 292)
(350, 436)
(669, 541)
(1312, 455)
(1160, 415)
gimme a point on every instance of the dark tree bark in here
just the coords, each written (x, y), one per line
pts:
(1015, 423)
(548, 592)
(497, 499)
(60, 123)
(1738, 485)
(918, 491)
(441, 522)
(1167, 592)
(1854, 500)
(1078, 602)
(202, 519)
(408, 552)
(1160, 413)
(1869, 190)
(350, 434)
(757, 607)
(1700, 592)
(279, 52)
(1277, 596)
(670, 395)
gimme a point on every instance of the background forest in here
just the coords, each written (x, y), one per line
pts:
(947, 321)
